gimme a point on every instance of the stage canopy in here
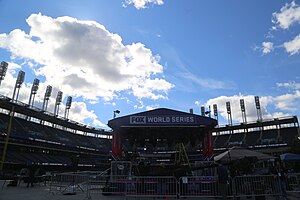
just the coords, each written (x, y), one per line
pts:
(161, 126)
(290, 157)
(162, 117)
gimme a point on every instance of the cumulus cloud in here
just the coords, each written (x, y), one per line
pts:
(281, 105)
(293, 46)
(289, 14)
(83, 55)
(267, 47)
(84, 59)
(290, 85)
(141, 4)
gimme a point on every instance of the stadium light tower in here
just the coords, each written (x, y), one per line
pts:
(257, 104)
(116, 112)
(34, 88)
(68, 106)
(215, 108)
(57, 102)
(3, 70)
(19, 82)
(46, 97)
(243, 109)
(229, 113)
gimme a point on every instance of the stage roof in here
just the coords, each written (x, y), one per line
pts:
(162, 117)
(22, 108)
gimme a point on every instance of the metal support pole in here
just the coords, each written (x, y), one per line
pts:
(7, 138)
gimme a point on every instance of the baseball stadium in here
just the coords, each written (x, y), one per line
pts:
(161, 153)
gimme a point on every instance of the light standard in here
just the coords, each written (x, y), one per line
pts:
(19, 82)
(57, 103)
(34, 88)
(3, 70)
(116, 112)
(68, 106)
(46, 97)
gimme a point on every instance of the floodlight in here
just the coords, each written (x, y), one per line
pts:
(257, 104)
(3, 69)
(215, 110)
(57, 102)
(35, 86)
(20, 78)
(19, 81)
(228, 107)
(242, 105)
(116, 112)
(69, 102)
(48, 92)
(59, 97)
(202, 111)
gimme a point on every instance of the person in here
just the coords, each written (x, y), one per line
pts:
(223, 180)
(31, 173)
(282, 177)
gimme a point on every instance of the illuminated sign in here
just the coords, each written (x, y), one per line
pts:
(182, 119)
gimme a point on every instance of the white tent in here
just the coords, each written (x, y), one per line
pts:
(237, 153)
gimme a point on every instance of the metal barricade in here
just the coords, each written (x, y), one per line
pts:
(68, 183)
(262, 185)
(293, 182)
(132, 186)
(201, 186)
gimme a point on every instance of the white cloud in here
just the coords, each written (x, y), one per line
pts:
(267, 47)
(141, 4)
(288, 102)
(291, 85)
(281, 105)
(84, 59)
(236, 109)
(289, 14)
(293, 46)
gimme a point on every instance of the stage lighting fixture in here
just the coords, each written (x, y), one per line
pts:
(116, 112)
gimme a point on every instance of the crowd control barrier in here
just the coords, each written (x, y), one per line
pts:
(93, 185)
(260, 185)
(68, 183)
(135, 186)
(293, 182)
(200, 186)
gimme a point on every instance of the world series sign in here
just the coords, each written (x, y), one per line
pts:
(162, 119)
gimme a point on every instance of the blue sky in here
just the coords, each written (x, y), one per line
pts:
(136, 55)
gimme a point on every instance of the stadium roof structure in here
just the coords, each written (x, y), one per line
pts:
(162, 117)
(25, 109)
